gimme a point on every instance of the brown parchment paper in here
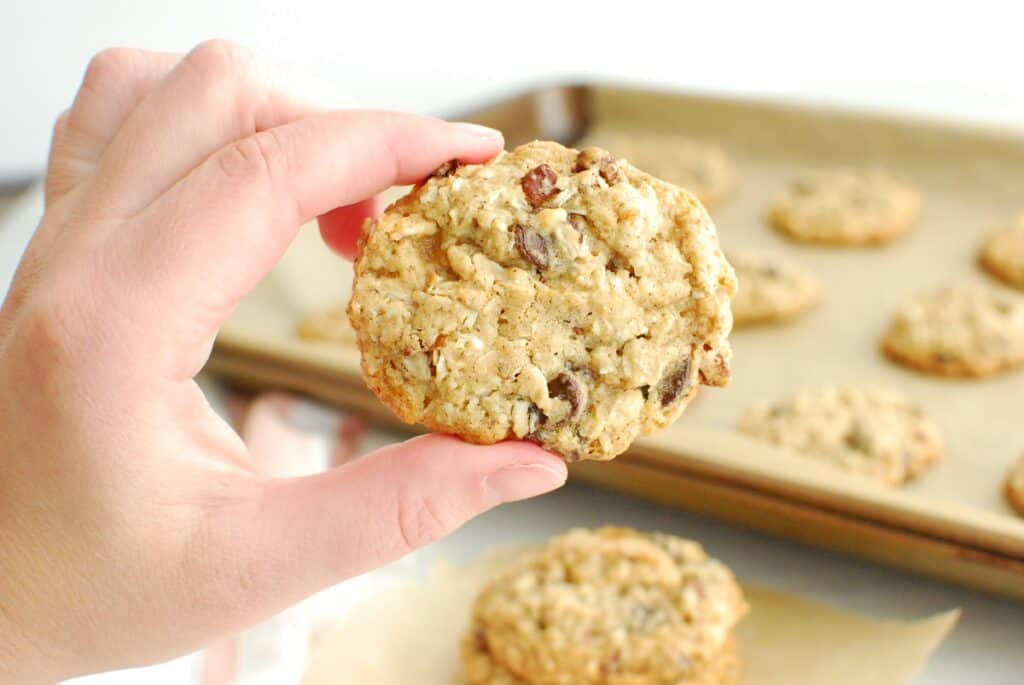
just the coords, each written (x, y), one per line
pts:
(411, 633)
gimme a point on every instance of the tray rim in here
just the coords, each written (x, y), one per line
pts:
(993, 131)
(851, 498)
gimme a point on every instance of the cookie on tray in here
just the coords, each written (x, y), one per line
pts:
(873, 432)
(702, 168)
(553, 295)
(1015, 486)
(964, 330)
(851, 207)
(610, 605)
(329, 325)
(771, 289)
(1002, 254)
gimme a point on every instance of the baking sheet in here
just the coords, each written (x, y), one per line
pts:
(971, 184)
(971, 181)
(784, 640)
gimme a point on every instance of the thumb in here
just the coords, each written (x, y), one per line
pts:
(310, 533)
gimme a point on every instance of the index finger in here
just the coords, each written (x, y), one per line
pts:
(207, 241)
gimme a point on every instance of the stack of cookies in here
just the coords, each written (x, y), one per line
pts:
(607, 606)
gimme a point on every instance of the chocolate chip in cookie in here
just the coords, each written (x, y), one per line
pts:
(539, 184)
(532, 246)
(675, 384)
(447, 169)
(567, 387)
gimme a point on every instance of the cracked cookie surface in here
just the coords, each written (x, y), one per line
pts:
(847, 207)
(1002, 254)
(963, 330)
(702, 168)
(610, 605)
(554, 295)
(874, 432)
(771, 289)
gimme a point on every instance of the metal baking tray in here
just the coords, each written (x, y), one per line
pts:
(952, 523)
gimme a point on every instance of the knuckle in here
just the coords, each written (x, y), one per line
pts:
(420, 522)
(58, 180)
(61, 124)
(44, 335)
(254, 157)
(240, 160)
(218, 59)
(58, 170)
(108, 65)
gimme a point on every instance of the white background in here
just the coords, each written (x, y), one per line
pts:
(955, 59)
(961, 62)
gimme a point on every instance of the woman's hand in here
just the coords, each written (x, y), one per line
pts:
(133, 526)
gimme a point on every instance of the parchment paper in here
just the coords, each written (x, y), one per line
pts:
(411, 633)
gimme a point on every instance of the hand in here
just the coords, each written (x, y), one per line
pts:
(133, 526)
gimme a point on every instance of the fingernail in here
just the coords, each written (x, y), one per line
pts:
(521, 481)
(478, 131)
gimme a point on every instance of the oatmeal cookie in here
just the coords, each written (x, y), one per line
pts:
(1015, 486)
(554, 295)
(873, 432)
(847, 207)
(966, 331)
(1002, 254)
(329, 325)
(702, 168)
(607, 606)
(771, 289)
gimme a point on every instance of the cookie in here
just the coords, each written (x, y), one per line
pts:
(1002, 254)
(965, 331)
(873, 432)
(1015, 487)
(330, 325)
(607, 606)
(702, 168)
(482, 669)
(847, 207)
(771, 289)
(551, 295)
